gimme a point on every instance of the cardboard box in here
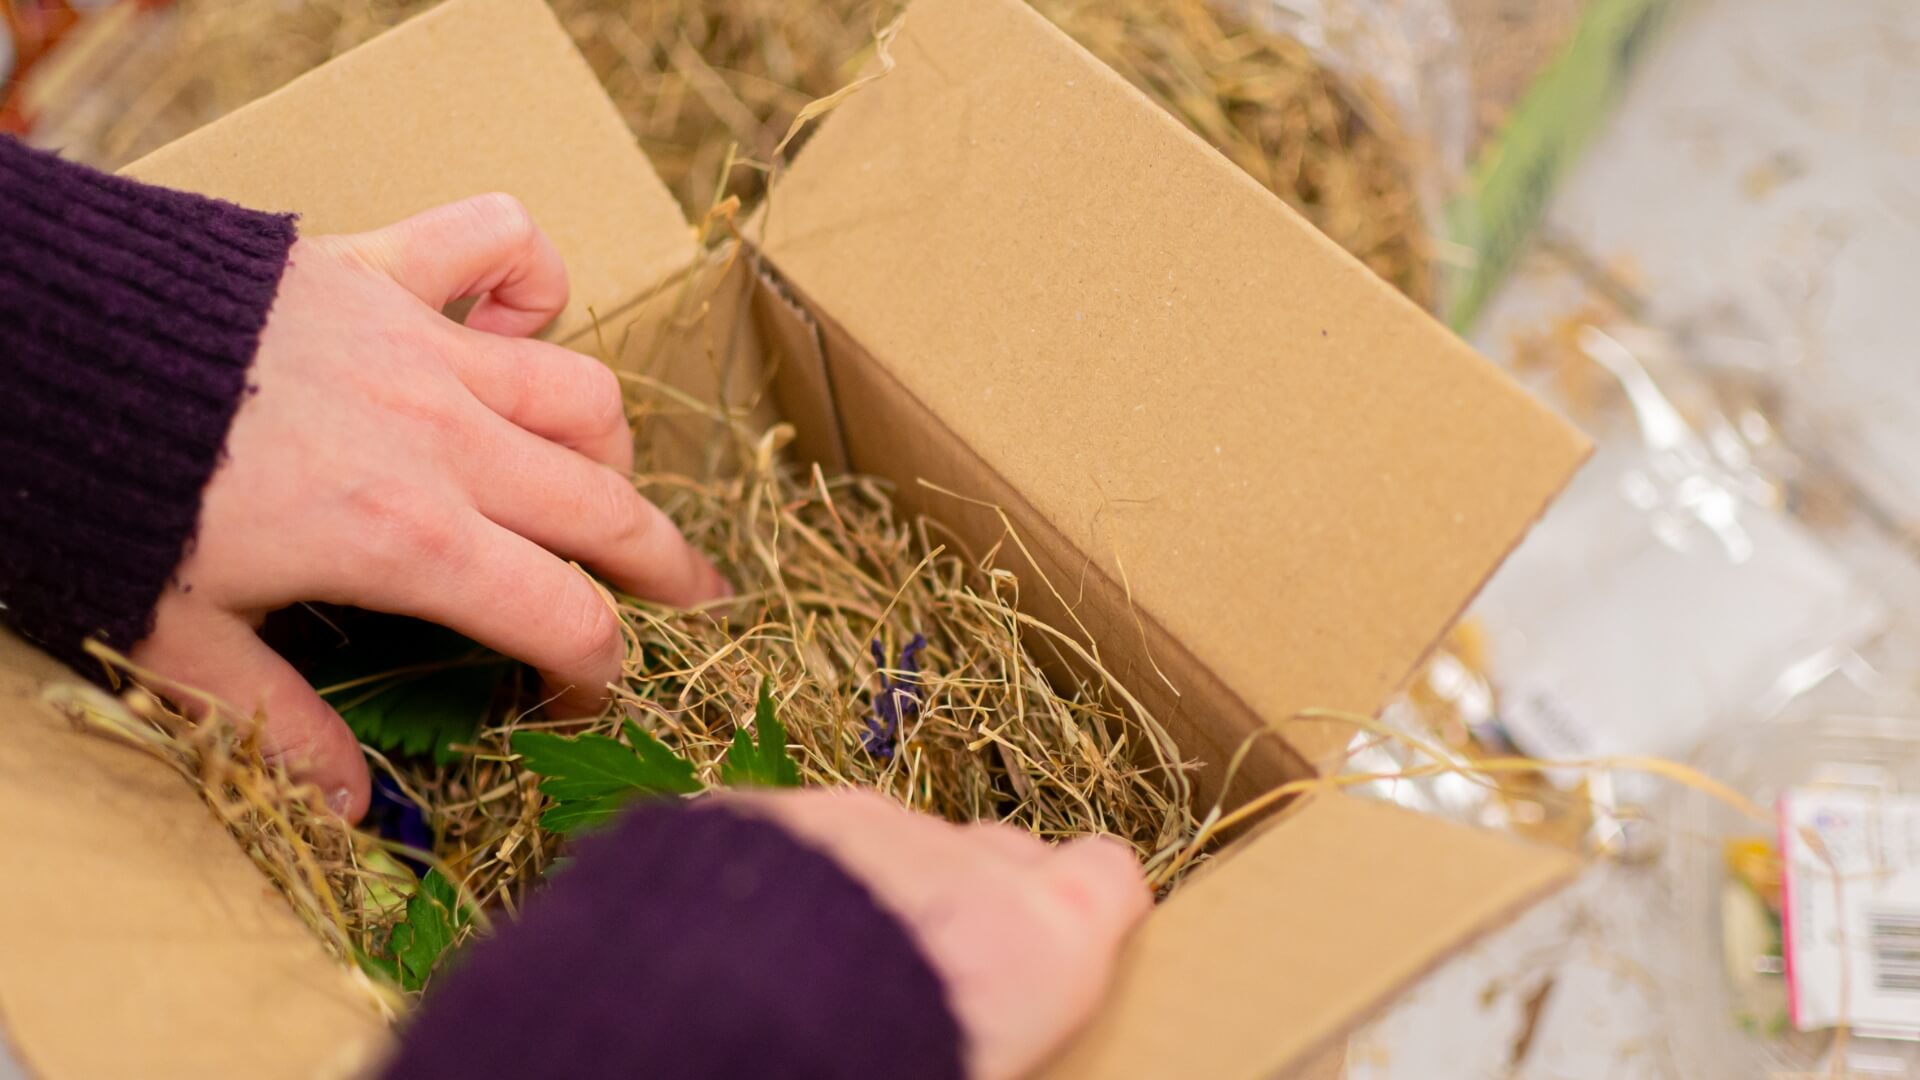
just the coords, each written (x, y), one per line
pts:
(1000, 270)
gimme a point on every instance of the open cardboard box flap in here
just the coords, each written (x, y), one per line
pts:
(1032, 288)
(471, 98)
(1301, 477)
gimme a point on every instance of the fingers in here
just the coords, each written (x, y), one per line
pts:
(1099, 880)
(555, 393)
(585, 511)
(486, 246)
(219, 654)
(1017, 846)
(455, 568)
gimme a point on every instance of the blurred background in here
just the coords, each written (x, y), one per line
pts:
(1692, 225)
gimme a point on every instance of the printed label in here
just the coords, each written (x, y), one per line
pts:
(1852, 909)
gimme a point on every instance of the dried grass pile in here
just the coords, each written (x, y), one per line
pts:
(895, 661)
(695, 77)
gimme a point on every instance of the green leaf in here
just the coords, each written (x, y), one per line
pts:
(434, 917)
(411, 688)
(570, 817)
(590, 777)
(594, 766)
(763, 763)
(382, 967)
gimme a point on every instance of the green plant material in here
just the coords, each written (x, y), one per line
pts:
(428, 715)
(590, 777)
(765, 763)
(434, 920)
(382, 967)
(384, 879)
(410, 688)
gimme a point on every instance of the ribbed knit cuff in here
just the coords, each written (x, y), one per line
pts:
(129, 315)
(691, 941)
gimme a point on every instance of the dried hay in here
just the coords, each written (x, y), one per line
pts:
(696, 77)
(851, 610)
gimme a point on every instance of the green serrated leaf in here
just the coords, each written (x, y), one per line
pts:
(594, 766)
(380, 966)
(590, 777)
(434, 916)
(676, 772)
(759, 758)
(571, 817)
(438, 694)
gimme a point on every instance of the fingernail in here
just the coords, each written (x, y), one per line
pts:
(339, 800)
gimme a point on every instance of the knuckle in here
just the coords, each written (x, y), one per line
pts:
(628, 518)
(506, 215)
(309, 743)
(420, 391)
(399, 528)
(419, 342)
(515, 393)
(587, 633)
(292, 749)
(601, 388)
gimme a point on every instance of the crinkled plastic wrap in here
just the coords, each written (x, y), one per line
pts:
(1409, 52)
(1663, 597)
(1404, 56)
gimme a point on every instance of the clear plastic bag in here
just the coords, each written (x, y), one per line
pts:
(1661, 597)
(1408, 51)
(1407, 63)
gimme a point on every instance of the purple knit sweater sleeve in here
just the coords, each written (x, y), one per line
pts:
(128, 317)
(690, 941)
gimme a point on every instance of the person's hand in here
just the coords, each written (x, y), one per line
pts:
(390, 458)
(1024, 934)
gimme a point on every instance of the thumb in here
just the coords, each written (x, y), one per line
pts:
(1098, 879)
(220, 655)
(486, 247)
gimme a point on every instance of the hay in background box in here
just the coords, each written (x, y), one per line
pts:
(694, 77)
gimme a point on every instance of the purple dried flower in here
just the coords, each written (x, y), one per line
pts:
(896, 699)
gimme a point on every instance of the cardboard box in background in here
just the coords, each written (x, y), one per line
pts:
(998, 269)
(1538, 100)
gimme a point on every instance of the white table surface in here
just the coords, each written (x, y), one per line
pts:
(1761, 180)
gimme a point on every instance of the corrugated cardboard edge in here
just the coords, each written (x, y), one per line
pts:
(471, 97)
(136, 938)
(1260, 966)
(802, 378)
